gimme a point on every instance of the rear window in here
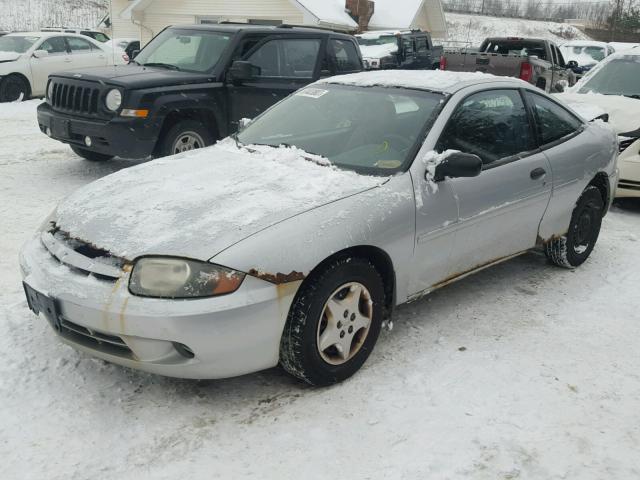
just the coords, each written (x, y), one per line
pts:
(522, 48)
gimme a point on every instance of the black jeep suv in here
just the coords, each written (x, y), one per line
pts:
(189, 87)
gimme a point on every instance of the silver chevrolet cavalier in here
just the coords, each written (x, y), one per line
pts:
(291, 242)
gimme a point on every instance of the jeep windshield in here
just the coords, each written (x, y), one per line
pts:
(370, 130)
(617, 77)
(189, 50)
(16, 43)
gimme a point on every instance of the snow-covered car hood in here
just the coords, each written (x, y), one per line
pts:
(378, 51)
(624, 112)
(199, 203)
(9, 56)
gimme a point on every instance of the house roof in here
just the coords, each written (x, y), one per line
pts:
(324, 13)
(406, 14)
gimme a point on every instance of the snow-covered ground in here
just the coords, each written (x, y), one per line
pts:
(522, 371)
(473, 29)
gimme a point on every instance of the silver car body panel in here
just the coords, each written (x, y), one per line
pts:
(432, 233)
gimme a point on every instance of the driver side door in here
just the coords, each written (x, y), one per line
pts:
(499, 212)
(58, 59)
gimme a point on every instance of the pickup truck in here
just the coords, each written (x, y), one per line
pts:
(536, 61)
(189, 87)
(406, 50)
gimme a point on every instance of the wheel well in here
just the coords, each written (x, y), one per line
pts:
(601, 182)
(25, 79)
(380, 260)
(205, 117)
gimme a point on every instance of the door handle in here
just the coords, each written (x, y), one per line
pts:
(538, 173)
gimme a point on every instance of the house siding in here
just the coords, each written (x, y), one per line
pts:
(120, 27)
(162, 13)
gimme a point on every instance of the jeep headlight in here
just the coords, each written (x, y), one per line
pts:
(166, 277)
(113, 101)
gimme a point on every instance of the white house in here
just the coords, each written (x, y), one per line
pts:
(146, 18)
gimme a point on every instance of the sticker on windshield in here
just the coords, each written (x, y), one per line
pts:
(312, 92)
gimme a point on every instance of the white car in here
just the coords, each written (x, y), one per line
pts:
(586, 53)
(613, 86)
(27, 60)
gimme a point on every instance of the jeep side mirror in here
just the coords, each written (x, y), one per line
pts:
(242, 71)
(457, 165)
(40, 53)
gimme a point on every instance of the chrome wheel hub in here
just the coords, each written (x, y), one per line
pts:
(186, 142)
(344, 323)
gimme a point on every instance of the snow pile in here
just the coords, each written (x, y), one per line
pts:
(435, 80)
(431, 161)
(624, 112)
(378, 51)
(471, 30)
(586, 110)
(200, 202)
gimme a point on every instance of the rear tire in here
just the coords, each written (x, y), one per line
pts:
(89, 155)
(334, 322)
(14, 88)
(573, 248)
(185, 136)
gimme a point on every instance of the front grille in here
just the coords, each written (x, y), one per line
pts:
(75, 97)
(102, 342)
(626, 142)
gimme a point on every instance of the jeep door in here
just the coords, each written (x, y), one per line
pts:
(500, 210)
(281, 66)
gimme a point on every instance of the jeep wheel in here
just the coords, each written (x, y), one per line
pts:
(334, 322)
(89, 155)
(14, 88)
(183, 137)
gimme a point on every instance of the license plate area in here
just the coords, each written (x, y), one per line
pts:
(40, 303)
(61, 128)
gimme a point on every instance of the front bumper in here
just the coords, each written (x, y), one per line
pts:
(224, 336)
(629, 165)
(119, 137)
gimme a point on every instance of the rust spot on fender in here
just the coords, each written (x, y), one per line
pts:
(277, 278)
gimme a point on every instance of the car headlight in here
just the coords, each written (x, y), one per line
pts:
(165, 277)
(50, 91)
(113, 100)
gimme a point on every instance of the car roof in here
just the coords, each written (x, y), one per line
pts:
(380, 33)
(428, 80)
(275, 29)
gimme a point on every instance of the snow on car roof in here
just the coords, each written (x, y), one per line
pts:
(584, 43)
(430, 80)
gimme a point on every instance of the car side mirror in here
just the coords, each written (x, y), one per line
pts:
(457, 165)
(242, 71)
(134, 54)
(572, 64)
(243, 123)
(40, 53)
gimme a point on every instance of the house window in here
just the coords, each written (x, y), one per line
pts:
(210, 20)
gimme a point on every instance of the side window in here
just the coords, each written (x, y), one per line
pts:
(492, 125)
(407, 45)
(560, 57)
(286, 58)
(421, 44)
(79, 45)
(54, 45)
(345, 56)
(554, 122)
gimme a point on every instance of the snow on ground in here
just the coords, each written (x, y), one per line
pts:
(521, 371)
(473, 29)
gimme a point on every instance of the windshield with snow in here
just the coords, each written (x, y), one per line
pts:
(16, 44)
(188, 50)
(381, 40)
(618, 77)
(369, 130)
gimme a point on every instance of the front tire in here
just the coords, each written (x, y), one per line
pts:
(334, 322)
(573, 248)
(89, 155)
(185, 136)
(14, 88)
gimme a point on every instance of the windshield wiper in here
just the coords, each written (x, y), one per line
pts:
(160, 64)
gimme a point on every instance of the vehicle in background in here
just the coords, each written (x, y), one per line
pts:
(189, 87)
(3, 33)
(97, 35)
(405, 50)
(257, 252)
(129, 46)
(613, 86)
(27, 60)
(536, 61)
(585, 53)
(623, 46)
